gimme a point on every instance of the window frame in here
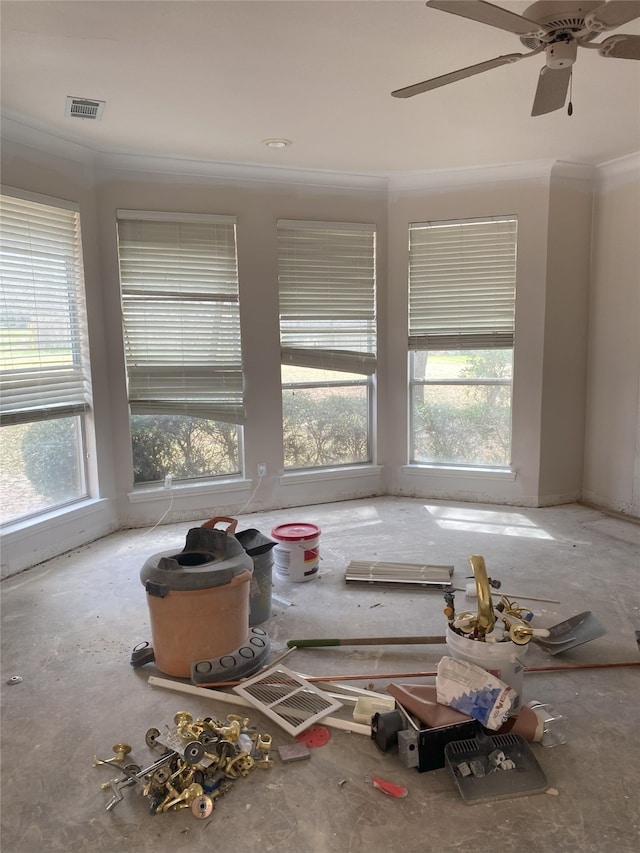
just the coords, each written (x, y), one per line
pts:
(469, 330)
(185, 374)
(47, 233)
(360, 309)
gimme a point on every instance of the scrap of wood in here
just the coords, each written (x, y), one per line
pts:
(206, 693)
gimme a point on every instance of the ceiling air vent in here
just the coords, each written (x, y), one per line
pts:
(84, 108)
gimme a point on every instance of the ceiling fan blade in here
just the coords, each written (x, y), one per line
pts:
(487, 13)
(623, 46)
(436, 82)
(551, 93)
(613, 14)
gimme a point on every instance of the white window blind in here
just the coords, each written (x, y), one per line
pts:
(179, 283)
(327, 295)
(43, 336)
(462, 279)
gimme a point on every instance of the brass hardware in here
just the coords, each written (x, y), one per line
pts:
(520, 634)
(121, 751)
(194, 752)
(239, 766)
(213, 753)
(232, 731)
(486, 617)
(202, 806)
(263, 742)
(187, 796)
(161, 776)
(151, 738)
(173, 795)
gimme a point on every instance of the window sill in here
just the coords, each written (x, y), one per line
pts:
(460, 471)
(326, 474)
(177, 490)
(52, 518)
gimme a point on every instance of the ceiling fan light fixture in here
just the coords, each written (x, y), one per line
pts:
(562, 54)
(276, 143)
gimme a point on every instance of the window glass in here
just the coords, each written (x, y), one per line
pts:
(461, 407)
(44, 362)
(184, 447)
(325, 425)
(41, 466)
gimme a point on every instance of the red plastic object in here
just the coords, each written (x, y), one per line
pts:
(296, 532)
(314, 736)
(388, 787)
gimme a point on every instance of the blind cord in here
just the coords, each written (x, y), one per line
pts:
(168, 510)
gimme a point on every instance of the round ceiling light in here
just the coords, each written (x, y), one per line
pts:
(276, 143)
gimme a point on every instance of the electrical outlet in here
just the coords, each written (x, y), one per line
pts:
(262, 469)
(167, 481)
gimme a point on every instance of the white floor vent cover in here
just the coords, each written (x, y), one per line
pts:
(287, 698)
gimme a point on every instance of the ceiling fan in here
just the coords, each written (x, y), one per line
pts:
(557, 27)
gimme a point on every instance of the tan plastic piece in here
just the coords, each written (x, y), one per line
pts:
(232, 522)
(192, 625)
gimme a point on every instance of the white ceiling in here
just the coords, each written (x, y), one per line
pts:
(210, 80)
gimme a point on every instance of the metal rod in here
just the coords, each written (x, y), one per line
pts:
(365, 641)
(513, 595)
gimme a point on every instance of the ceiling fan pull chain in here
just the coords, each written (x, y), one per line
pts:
(570, 107)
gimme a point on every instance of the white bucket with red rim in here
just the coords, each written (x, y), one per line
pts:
(297, 552)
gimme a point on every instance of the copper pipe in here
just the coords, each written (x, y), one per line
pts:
(392, 675)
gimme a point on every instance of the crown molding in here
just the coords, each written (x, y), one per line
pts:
(469, 177)
(171, 168)
(619, 172)
(103, 165)
(110, 164)
(48, 143)
(573, 173)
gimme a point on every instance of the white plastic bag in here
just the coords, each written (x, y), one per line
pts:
(474, 691)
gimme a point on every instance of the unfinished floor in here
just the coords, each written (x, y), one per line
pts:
(69, 625)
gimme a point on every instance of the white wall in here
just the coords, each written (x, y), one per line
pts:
(553, 204)
(564, 376)
(25, 544)
(612, 454)
(257, 206)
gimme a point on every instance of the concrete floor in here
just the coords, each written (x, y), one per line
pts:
(69, 625)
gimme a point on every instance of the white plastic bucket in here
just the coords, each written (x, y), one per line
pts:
(504, 660)
(297, 552)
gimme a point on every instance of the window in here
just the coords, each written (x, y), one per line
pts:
(328, 342)
(43, 355)
(462, 278)
(181, 316)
